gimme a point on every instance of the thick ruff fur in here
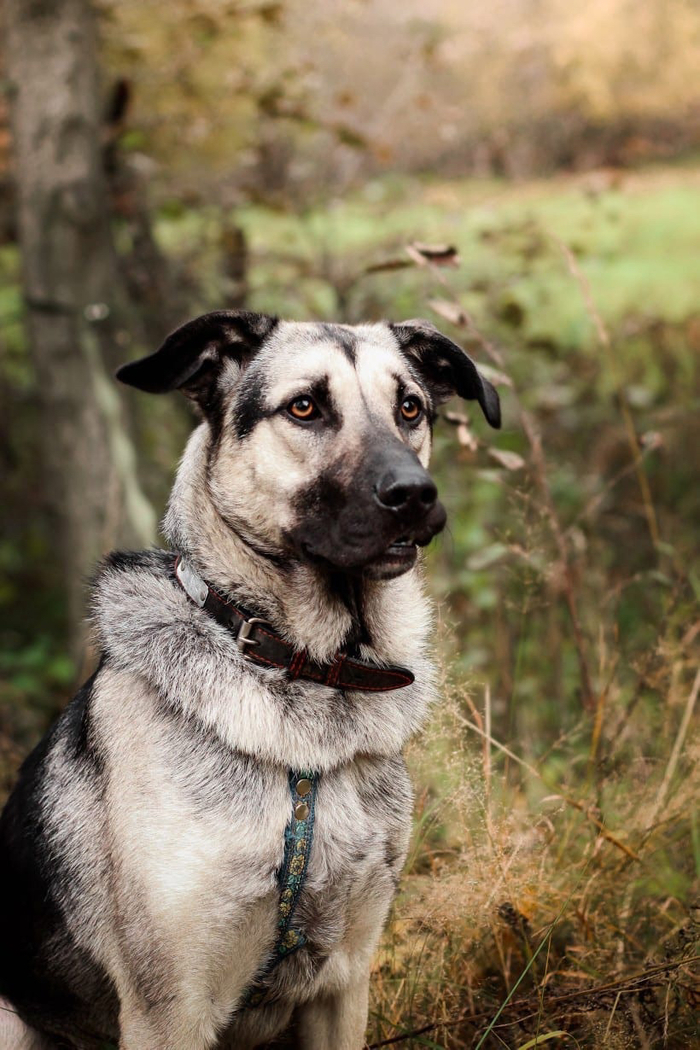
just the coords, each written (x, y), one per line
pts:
(141, 847)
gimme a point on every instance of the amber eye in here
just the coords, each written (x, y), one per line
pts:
(411, 409)
(303, 408)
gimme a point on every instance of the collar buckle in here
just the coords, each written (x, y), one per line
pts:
(243, 638)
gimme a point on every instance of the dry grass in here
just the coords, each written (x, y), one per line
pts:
(529, 910)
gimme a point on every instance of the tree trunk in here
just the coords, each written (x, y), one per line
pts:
(76, 307)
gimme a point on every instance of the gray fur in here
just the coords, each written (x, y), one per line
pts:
(162, 808)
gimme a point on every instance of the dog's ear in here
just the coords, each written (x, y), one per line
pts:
(191, 357)
(445, 367)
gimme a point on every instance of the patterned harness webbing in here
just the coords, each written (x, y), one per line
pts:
(298, 837)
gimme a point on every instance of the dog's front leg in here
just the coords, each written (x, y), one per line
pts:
(162, 1025)
(337, 1020)
(138, 1032)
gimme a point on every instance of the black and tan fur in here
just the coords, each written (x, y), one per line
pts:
(139, 850)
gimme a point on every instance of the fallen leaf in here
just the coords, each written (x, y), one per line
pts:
(466, 437)
(451, 312)
(509, 460)
(544, 1038)
(435, 254)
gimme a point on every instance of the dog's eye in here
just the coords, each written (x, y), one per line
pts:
(303, 408)
(411, 409)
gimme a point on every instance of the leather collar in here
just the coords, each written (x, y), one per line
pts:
(260, 643)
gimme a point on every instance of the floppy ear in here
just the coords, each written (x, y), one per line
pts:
(192, 356)
(445, 367)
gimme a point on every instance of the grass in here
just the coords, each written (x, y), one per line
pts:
(530, 895)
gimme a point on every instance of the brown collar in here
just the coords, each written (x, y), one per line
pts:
(261, 644)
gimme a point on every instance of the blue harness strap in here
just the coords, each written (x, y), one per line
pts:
(298, 837)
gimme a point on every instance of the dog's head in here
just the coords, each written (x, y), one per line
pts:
(320, 434)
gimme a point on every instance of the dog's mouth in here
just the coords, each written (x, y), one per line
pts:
(398, 557)
(404, 548)
(403, 541)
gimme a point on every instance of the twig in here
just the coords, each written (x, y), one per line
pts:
(610, 1019)
(487, 751)
(533, 436)
(595, 501)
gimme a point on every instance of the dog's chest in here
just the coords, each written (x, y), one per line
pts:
(206, 832)
(230, 816)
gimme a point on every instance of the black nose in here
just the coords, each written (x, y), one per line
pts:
(408, 488)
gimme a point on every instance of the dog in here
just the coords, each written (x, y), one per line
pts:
(202, 851)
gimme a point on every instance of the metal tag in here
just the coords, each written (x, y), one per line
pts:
(193, 584)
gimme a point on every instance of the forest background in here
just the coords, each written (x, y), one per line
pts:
(525, 173)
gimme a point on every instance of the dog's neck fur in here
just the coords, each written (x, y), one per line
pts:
(385, 620)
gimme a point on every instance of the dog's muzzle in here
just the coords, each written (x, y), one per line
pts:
(370, 521)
